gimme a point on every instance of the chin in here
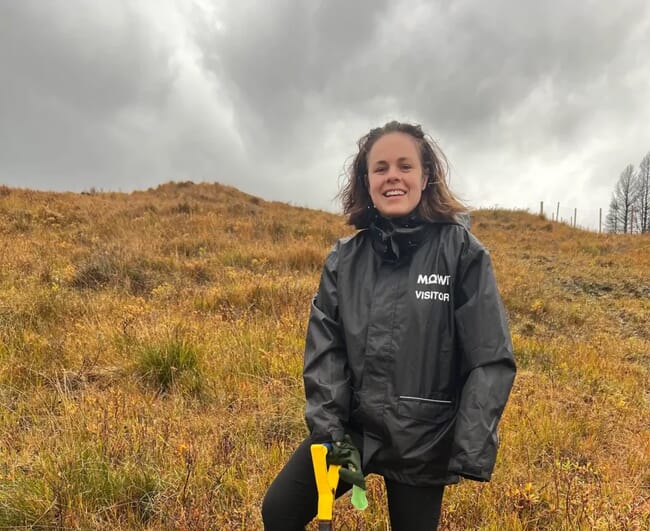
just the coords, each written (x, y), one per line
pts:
(395, 212)
(392, 214)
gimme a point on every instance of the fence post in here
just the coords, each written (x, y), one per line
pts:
(600, 220)
(541, 208)
(575, 217)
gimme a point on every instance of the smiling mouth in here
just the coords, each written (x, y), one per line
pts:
(394, 193)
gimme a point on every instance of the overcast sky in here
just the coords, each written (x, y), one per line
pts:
(529, 100)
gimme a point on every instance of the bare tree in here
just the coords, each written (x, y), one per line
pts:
(642, 203)
(619, 217)
(611, 221)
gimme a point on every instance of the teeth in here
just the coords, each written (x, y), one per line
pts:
(393, 192)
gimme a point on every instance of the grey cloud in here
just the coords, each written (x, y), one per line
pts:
(464, 68)
(92, 96)
(282, 58)
(68, 70)
(91, 60)
(517, 79)
(484, 58)
(271, 96)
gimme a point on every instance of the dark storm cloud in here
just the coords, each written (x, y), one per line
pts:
(278, 57)
(458, 65)
(506, 80)
(523, 96)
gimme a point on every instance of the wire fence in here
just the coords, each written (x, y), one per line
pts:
(591, 219)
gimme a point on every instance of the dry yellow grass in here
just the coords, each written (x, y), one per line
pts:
(151, 350)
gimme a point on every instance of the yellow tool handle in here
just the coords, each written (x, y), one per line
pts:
(326, 481)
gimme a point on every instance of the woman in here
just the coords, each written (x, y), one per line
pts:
(408, 359)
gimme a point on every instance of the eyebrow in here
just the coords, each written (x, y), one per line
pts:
(401, 159)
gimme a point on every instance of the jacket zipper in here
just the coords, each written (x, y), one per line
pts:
(425, 399)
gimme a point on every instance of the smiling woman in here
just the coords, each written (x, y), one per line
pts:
(408, 360)
(398, 170)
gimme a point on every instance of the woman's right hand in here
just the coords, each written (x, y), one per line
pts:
(346, 454)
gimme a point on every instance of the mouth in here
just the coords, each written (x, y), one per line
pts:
(394, 193)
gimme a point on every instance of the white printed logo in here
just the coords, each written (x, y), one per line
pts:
(431, 294)
(434, 278)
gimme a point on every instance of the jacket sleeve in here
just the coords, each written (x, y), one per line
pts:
(487, 365)
(325, 373)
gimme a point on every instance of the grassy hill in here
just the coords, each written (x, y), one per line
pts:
(151, 352)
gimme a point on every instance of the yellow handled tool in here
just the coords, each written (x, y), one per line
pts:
(327, 479)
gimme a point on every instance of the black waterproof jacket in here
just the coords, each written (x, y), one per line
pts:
(408, 350)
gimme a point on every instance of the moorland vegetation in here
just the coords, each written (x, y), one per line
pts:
(151, 352)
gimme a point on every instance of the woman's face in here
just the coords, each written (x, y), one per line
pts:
(395, 178)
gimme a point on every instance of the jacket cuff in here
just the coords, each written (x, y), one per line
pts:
(457, 468)
(474, 477)
(319, 436)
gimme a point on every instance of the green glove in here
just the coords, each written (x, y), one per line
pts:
(345, 453)
(359, 500)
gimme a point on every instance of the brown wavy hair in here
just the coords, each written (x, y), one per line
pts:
(437, 201)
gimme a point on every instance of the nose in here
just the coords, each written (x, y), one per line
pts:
(392, 174)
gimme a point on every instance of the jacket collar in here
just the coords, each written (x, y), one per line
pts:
(396, 238)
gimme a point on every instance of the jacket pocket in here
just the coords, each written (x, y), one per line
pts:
(421, 430)
(429, 410)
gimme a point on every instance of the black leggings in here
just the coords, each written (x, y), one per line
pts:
(291, 501)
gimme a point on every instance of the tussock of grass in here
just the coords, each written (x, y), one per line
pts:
(170, 365)
(107, 270)
(26, 502)
(20, 221)
(118, 311)
(56, 493)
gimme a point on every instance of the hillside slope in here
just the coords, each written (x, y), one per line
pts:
(150, 361)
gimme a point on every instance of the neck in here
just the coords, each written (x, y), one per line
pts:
(409, 220)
